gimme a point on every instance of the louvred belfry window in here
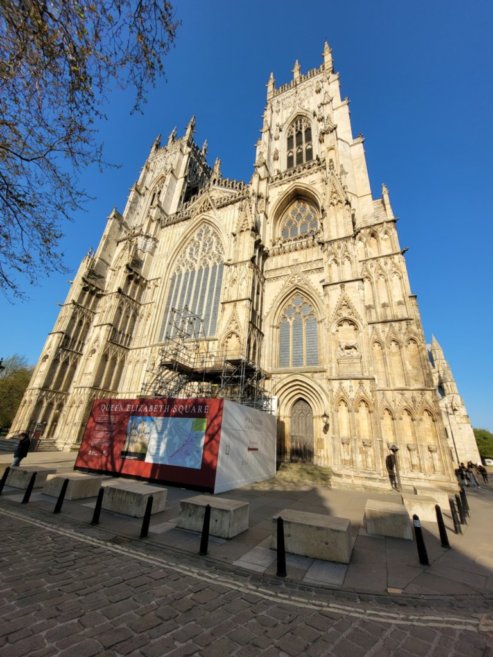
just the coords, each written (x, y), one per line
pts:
(299, 145)
(196, 282)
(298, 334)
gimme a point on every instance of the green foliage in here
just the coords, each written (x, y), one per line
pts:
(58, 60)
(14, 379)
(484, 439)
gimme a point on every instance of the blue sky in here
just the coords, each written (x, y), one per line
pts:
(419, 77)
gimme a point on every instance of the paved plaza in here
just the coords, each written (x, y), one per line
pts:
(69, 588)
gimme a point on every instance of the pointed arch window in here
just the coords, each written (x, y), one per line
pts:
(298, 334)
(299, 220)
(195, 286)
(299, 145)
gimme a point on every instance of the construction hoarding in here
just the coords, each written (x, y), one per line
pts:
(212, 445)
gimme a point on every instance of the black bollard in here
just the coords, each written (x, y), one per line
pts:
(420, 542)
(29, 489)
(97, 508)
(455, 517)
(61, 497)
(204, 539)
(3, 480)
(465, 503)
(441, 527)
(460, 509)
(144, 532)
(281, 550)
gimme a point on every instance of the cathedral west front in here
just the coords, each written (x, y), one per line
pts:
(289, 293)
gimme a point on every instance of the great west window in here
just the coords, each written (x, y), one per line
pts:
(195, 285)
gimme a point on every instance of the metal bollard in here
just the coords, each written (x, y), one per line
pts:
(455, 517)
(61, 497)
(420, 542)
(3, 480)
(281, 550)
(204, 539)
(29, 489)
(460, 509)
(97, 508)
(465, 503)
(144, 532)
(441, 527)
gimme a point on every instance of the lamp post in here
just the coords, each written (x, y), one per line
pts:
(394, 449)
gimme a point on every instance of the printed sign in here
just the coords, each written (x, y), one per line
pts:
(168, 440)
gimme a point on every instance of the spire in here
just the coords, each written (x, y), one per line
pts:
(328, 64)
(435, 344)
(172, 136)
(386, 201)
(190, 128)
(216, 171)
(156, 143)
(270, 86)
(296, 71)
(205, 146)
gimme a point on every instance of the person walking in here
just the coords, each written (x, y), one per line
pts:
(22, 449)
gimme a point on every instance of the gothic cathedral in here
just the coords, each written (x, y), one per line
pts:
(289, 293)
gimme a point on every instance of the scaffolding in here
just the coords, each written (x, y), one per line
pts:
(189, 367)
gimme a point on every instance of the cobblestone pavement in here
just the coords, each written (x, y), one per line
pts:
(72, 590)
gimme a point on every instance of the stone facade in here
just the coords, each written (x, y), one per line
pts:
(298, 273)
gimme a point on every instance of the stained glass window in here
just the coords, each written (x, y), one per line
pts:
(300, 220)
(299, 142)
(196, 282)
(298, 334)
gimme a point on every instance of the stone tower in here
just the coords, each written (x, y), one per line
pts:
(457, 424)
(291, 290)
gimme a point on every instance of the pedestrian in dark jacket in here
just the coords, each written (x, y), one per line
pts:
(22, 449)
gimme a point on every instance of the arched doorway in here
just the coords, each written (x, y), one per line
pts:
(301, 432)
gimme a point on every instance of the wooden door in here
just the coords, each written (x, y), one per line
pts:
(302, 432)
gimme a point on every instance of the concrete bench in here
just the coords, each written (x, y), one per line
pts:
(421, 505)
(80, 485)
(441, 497)
(19, 477)
(228, 517)
(315, 535)
(387, 519)
(130, 497)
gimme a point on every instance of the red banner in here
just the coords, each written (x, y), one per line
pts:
(168, 440)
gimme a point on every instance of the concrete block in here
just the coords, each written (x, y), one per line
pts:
(228, 517)
(441, 497)
(387, 519)
(315, 535)
(21, 476)
(130, 497)
(80, 485)
(421, 505)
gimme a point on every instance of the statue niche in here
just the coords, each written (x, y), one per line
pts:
(348, 349)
